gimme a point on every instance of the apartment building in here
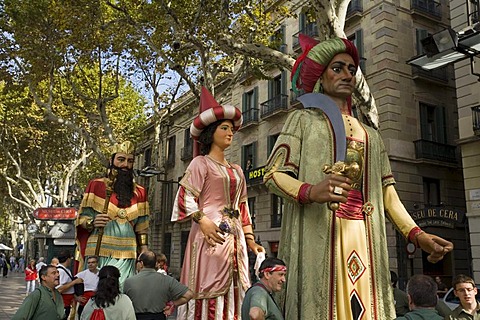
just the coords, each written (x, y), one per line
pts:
(418, 122)
(466, 13)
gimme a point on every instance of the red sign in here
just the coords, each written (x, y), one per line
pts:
(55, 213)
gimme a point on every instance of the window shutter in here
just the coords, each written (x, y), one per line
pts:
(440, 124)
(424, 122)
(420, 34)
(284, 82)
(244, 158)
(254, 154)
(270, 89)
(359, 45)
(255, 98)
(301, 22)
(244, 102)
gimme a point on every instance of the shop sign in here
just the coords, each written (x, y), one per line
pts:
(446, 217)
(255, 175)
(55, 213)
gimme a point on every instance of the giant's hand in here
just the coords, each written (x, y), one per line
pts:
(325, 190)
(211, 231)
(101, 220)
(437, 247)
(256, 248)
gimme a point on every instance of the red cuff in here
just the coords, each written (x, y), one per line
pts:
(412, 235)
(304, 193)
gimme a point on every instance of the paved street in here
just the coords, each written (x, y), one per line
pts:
(12, 293)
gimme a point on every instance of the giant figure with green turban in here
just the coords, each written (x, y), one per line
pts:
(333, 236)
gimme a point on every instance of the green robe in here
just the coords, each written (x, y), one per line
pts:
(307, 243)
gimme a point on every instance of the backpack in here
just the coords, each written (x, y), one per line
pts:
(97, 315)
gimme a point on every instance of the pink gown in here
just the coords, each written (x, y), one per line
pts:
(219, 275)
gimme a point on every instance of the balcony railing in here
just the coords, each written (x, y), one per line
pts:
(355, 6)
(430, 7)
(439, 74)
(250, 116)
(476, 120)
(277, 103)
(294, 96)
(186, 153)
(310, 30)
(431, 150)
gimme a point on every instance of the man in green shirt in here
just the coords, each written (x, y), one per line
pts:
(45, 302)
(465, 289)
(259, 303)
(422, 299)
(151, 291)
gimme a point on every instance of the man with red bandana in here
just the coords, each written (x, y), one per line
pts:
(126, 221)
(259, 303)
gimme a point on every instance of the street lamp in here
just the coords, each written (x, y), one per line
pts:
(447, 47)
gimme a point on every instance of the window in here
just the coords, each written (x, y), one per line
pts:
(357, 39)
(474, 9)
(249, 153)
(187, 150)
(148, 157)
(278, 40)
(277, 86)
(272, 139)
(167, 197)
(171, 151)
(167, 245)
(277, 211)
(250, 106)
(183, 242)
(420, 34)
(251, 207)
(187, 138)
(307, 23)
(432, 120)
(431, 191)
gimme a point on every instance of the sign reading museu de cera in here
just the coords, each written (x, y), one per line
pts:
(439, 216)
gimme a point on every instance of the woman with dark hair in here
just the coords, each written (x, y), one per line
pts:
(213, 193)
(115, 305)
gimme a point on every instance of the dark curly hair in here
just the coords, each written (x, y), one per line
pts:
(108, 287)
(206, 136)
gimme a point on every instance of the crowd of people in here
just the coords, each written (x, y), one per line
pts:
(12, 264)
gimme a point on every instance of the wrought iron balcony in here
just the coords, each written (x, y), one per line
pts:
(431, 150)
(294, 97)
(250, 116)
(187, 153)
(272, 106)
(310, 30)
(476, 120)
(429, 7)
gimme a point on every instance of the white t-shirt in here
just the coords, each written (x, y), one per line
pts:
(64, 279)
(39, 265)
(90, 279)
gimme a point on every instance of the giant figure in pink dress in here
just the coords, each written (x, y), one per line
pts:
(213, 193)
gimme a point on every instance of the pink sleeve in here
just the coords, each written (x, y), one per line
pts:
(186, 201)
